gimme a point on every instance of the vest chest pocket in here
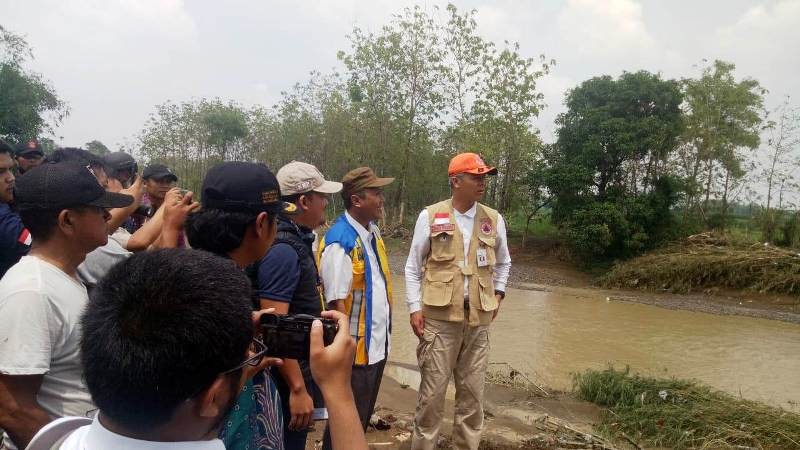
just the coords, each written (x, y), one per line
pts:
(488, 300)
(442, 247)
(437, 289)
(488, 244)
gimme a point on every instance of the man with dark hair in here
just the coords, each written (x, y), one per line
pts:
(456, 276)
(41, 298)
(241, 202)
(122, 167)
(289, 282)
(165, 354)
(28, 154)
(15, 240)
(157, 179)
(355, 274)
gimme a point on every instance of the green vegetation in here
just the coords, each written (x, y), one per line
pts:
(707, 261)
(683, 414)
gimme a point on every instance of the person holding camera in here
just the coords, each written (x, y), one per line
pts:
(288, 281)
(456, 276)
(357, 281)
(165, 354)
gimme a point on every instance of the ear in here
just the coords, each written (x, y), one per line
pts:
(264, 226)
(303, 201)
(214, 401)
(66, 221)
(355, 200)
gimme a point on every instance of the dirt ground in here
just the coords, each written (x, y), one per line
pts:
(515, 419)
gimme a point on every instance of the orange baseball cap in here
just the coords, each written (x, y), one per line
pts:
(469, 163)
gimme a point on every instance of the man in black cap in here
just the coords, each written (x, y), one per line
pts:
(15, 240)
(41, 299)
(28, 154)
(158, 180)
(238, 220)
(122, 167)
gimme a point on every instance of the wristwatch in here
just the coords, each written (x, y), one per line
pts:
(502, 294)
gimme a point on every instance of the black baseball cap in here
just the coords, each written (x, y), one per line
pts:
(64, 185)
(31, 146)
(119, 161)
(158, 171)
(244, 186)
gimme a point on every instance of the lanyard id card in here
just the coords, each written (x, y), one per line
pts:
(483, 259)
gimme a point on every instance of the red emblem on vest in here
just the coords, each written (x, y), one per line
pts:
(486, 226)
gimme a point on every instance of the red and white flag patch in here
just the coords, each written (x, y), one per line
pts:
(441, 218)
(25, 237)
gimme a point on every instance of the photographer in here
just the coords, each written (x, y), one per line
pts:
(166, 353)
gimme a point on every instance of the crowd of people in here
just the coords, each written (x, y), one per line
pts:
(129, 311)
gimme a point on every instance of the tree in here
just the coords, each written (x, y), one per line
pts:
(606, 170)
(29, 105)
(722, 117)
(97, 147)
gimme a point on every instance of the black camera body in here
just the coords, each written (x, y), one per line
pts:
(289, 336)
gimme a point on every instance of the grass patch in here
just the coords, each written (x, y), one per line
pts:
(683, 414)
(708, 261)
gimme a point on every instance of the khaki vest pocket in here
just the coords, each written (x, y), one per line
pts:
(488, 243)
(442, 246)
(437, 289)
(488, 300)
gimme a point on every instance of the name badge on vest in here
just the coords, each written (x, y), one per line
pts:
(483, 260)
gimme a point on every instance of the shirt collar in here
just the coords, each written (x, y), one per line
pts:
(365, 235)
(100, 437)
(470, 213)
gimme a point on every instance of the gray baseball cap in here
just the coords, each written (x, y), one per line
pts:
(299, 177)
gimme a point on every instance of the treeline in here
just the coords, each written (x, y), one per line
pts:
(638, 159)
(409, 97)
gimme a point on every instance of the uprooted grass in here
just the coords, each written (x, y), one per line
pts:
(683, 414)
(708, 261)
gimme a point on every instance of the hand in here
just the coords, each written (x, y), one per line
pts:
(301, 406)
(418, 323)
(331, 366)
(250, 371)
(135, 190)
(177, 207)
(499, 300)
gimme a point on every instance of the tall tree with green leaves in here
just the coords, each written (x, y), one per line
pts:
(399, 72)
(611, 129)
(723, 117)
(29, 105)
(96, 147)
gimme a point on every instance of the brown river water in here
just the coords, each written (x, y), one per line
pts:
(550, 335)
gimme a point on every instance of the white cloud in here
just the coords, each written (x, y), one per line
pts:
(605, 28)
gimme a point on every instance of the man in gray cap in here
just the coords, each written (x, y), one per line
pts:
(289, 282)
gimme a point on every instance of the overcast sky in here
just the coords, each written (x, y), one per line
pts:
(114, 60)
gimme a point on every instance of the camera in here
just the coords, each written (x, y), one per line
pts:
(290, 336)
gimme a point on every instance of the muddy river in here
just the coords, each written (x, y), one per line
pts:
(549, 335)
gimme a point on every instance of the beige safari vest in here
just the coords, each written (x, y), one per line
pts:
(446, 266)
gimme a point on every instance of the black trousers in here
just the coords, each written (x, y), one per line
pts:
(366, 383)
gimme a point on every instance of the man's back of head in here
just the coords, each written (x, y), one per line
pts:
(155, 342)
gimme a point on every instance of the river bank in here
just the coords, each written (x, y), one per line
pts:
(539, 267)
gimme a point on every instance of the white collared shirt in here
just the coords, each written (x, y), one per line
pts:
(97, 437)
(336, 271)
(421, 245)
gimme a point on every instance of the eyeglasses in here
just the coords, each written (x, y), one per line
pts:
(258, 349)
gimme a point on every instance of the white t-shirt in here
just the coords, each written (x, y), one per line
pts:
(40, 310)
(97, 437)
(100, 260)
(336, 271)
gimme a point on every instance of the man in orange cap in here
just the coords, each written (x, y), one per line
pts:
(456, 277)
